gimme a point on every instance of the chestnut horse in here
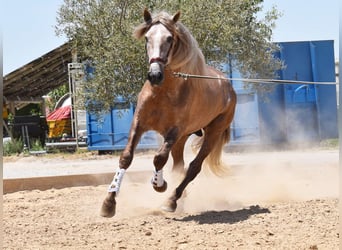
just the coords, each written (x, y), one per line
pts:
(176, 107)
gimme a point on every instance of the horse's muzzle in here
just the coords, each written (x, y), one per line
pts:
(155, 74)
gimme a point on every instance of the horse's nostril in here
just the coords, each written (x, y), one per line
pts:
(155, 77)
(155, 74)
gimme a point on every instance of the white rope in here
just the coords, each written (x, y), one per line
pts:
(268, 81)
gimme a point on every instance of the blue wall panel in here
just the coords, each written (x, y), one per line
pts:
(245, 126)
(272, 117)
(323, 67)
(110, 131)
(302, 113)
(300, 108)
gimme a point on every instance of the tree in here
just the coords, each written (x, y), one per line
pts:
(101, 30)
(55, 95)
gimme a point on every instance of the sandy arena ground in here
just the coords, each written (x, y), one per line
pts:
(270, 200)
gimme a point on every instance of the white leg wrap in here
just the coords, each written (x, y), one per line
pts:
(157, 179)
(116, 182)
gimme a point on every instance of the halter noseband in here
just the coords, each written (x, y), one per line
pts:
(158, 59)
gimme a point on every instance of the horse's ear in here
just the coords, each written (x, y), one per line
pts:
(147, 16)
(176, 16)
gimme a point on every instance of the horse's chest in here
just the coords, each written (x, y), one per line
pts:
(160, 111)
(162, 107)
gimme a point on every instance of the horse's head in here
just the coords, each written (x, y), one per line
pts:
(159, 43)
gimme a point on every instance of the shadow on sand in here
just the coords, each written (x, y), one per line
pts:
(225, 217)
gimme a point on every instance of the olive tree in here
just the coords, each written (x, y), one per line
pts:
(101, 32)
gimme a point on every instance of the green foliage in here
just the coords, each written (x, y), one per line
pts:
(36, 145)
(330, 143)
(101, 30)
(30, 109)
(55, 95)
(13, 147)
(16, 146)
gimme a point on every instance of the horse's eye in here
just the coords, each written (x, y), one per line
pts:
(169, 39)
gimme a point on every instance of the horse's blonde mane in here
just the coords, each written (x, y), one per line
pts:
(186, 55)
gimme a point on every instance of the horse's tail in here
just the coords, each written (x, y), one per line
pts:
(213, 160)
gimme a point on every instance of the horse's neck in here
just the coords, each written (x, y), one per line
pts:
(170, 80)
(190, 63)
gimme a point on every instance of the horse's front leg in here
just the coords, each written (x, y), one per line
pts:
(126, 157)
(160, 159)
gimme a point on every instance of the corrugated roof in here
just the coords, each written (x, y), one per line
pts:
(39, 77)
(60, 114)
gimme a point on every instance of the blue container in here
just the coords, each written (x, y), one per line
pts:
(108, 132)
(293, 113)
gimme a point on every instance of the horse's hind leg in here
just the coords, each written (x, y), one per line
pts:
(211, 136)
(177, 153)
(126, 157)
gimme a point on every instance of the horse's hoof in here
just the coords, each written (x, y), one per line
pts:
(162, 188)
(108, 208)
(169, 206)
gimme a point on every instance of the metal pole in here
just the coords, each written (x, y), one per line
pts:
(71, 96)
(74, 105)
(75, 78)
